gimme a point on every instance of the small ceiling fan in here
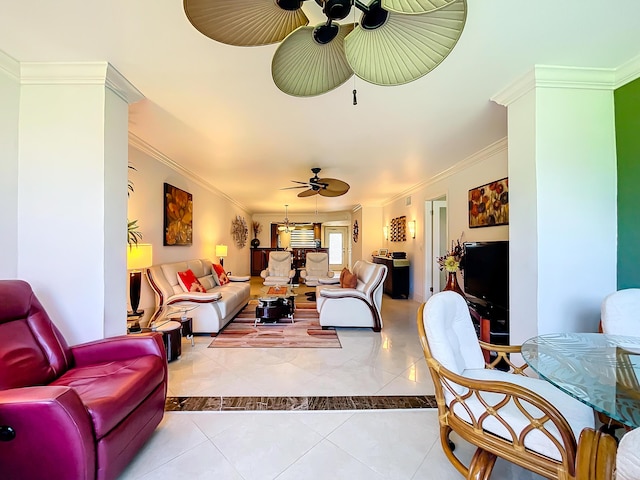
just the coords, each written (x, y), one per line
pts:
(327, 187)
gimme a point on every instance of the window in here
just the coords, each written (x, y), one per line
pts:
(302, 238)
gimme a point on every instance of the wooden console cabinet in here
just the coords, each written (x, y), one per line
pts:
(396, 285)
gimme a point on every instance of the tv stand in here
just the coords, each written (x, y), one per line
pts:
(490, 321)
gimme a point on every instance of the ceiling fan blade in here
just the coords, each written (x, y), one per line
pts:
(296, 187)
(405, 47)
(331, 193)
(413, 7)
(308, 193)
(335, 185)
(243, 22)
(304, 67)
(298, 181)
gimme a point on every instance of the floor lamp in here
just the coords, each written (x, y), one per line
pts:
(139, 257)
(221, 252)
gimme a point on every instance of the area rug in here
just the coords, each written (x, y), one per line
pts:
(304, 332)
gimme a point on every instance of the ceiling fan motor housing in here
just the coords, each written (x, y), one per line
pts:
(335, 9)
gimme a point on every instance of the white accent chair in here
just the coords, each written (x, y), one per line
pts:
(524, 420)
(628, 457)
(354, 307)
(620, 312)
(316, 270)
(278, 271)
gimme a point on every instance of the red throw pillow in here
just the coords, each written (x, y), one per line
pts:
(222, 276)
(189, 282)
(348, 279)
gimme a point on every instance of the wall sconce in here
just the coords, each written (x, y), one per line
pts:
(412, 228)
(385, 232)
(139, 256)
(221, 252)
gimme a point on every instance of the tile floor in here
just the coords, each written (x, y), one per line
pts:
(301, 445)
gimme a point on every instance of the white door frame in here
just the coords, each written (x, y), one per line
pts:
(435, 244)
(345, 238)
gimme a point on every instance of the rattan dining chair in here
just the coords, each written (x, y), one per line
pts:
(523, 420)
(596, 457)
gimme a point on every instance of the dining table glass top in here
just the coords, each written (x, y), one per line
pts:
(602, 371)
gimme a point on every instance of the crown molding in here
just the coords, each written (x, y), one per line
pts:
(79, 73)
(10, 66)
(144, 147)
(479, 156)
(628, 72)
(557, 77)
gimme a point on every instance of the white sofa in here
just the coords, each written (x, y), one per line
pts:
(215, 308)
(354, 307)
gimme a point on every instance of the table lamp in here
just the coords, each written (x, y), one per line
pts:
(221, 252)
(138, 257)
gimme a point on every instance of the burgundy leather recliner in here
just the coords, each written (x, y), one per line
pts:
(79, 412)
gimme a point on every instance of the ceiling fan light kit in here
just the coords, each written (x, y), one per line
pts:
(395, 42)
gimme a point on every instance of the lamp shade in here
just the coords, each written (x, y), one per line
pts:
(139, 256)
(221, 250)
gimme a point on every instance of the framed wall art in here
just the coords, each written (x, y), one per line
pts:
(489, 204)
(178, 216)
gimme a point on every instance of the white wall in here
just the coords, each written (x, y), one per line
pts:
(212, 217)
(9, 109)
(484, 167)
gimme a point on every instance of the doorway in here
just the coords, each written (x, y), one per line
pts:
(436, 222)
(335, 238)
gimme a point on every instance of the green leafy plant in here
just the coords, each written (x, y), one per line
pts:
(133, 235)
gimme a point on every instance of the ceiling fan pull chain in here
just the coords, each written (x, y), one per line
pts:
(355, 98)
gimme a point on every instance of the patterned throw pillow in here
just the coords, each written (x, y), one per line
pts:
(189, 282)
(222, 276)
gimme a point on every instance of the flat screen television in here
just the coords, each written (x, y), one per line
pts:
(486, 271)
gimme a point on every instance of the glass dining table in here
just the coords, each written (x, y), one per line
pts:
(602, 371)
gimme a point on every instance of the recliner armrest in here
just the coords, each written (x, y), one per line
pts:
(54, 434)
(343, 293)
(264, 273)
(118, 348)
(194, 297)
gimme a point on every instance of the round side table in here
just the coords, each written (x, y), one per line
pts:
(171, 337)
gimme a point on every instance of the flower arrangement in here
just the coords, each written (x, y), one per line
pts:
(257, 228)
(452, 259)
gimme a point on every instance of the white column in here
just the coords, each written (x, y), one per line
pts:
(9, 112)
(562, 183)
(72, 199)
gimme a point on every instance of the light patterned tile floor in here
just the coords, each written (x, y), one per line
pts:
(304, 445)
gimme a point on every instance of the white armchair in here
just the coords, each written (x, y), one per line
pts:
(316, 270)
(278, 271)
(524, 420)
(619, 312)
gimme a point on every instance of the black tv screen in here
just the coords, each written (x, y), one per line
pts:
(486, 271)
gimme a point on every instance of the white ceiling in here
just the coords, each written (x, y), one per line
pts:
(214, 109)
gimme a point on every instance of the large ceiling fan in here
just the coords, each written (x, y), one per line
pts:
(327, 187)
(394, 42)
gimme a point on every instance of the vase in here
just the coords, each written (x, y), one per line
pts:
(255, 242)
(452, 283)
